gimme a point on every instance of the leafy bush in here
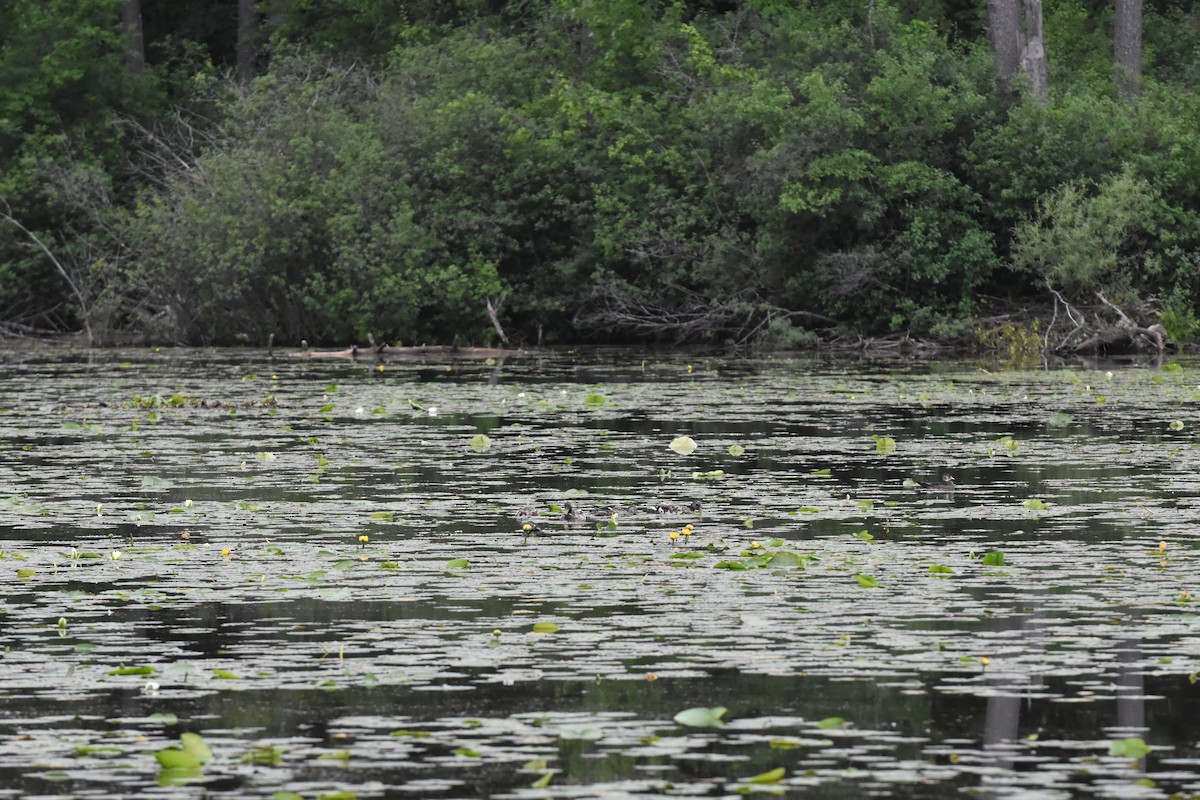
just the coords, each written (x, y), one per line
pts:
(1089, 238)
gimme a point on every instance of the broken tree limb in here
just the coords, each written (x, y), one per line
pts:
(76, 289)
(1104, 335)
(494, 313)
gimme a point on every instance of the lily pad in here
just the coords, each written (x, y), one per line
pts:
(683, 445)
(701, 717)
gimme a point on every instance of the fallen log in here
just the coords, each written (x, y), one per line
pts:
(1123, 340)
(1102, 335)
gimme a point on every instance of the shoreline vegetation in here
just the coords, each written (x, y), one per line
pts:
(755, 175)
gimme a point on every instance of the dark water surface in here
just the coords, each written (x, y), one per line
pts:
(182, 552)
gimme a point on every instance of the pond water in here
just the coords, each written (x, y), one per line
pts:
(226, 575)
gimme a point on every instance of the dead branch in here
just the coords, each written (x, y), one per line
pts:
(493, 310)
(685, 315)
(1103, 335)
(76, 289)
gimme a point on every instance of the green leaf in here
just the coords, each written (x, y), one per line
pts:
(786, 558)
(715, 474)
(458, 563)
(683, 445)
(701, 717)
(174, 758)
(546, 627)
(1128, 748)
(594, 400)
(542, 782)
(785, 744)
(194, 744)
(1034, 504)
(224, 674)
(940, 569)
(124, 670)
(831, 722)
(481, 442)
(884, 444)
(1059, 420)
(994, 558)
(771, 776)
(867, 581)
(736, 450)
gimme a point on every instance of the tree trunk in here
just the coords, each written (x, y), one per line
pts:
(1127, 47)
(1004, 34)
(1033, 59)
(131, 21)
(247, 48)
(1015, 36)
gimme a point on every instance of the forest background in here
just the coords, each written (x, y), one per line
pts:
(761, 172)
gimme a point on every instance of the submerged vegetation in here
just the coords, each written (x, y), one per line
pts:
(752, 173)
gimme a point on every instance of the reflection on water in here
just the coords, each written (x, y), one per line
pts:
(315, 566)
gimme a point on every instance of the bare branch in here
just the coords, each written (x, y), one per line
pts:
(494, 312)
(75, 288)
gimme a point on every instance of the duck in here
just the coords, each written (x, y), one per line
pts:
(676, 508)
(572, 514)
(946, 484)
(527, 512)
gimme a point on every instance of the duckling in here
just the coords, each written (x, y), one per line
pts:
(675, 508)
(616, 510)
(572, 514)
(946, 484)
(527, 512)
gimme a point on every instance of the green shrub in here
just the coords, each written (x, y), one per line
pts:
(1088, 238)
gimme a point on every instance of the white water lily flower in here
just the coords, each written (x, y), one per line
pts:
(115, 555)
(433, 411)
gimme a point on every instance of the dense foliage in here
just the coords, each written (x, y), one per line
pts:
(608, 170)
